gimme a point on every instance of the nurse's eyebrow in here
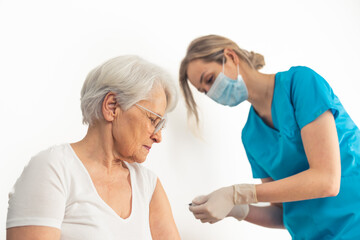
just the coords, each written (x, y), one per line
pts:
(201, 77)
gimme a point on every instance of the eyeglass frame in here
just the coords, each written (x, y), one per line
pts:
(161, 124)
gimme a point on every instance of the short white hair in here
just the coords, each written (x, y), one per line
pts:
(131, 78)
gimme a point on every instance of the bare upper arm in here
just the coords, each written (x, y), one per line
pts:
(321, 146)
(162, 224)
(33, 233)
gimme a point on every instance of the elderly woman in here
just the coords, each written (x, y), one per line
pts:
(97, 188)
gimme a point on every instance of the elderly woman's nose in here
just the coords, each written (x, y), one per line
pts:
(156, 137)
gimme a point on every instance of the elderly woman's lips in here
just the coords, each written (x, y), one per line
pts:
(147, 147)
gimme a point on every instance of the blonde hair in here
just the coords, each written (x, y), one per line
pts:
(210, 48)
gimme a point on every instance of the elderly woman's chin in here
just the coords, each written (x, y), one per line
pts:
(138, 157)
(141, 158)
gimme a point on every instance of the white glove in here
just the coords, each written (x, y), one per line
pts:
(239, 212)
(218, 204)
(244, 194)
(213, 207)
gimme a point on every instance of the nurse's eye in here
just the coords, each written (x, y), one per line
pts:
(209, 81)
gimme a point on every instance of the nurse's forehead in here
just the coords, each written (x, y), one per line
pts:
(197, 68)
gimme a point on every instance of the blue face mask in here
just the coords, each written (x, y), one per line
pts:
(227, 91)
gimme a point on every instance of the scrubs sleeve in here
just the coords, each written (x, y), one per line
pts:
(311, 96)
(257, 170)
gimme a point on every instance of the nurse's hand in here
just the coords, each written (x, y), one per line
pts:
(239, 212)
(215, 206)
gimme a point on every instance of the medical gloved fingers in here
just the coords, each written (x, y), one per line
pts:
(215, 206)
(239, 212)
(200, 216)
(200, 200)
(213, 221)
(205, 220)
(209, 220)
(198, 209)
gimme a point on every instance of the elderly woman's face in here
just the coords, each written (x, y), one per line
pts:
(133, 130)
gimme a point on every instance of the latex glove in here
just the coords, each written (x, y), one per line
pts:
(239, 212)
(213, 207)
(218, 204)
(244, 194)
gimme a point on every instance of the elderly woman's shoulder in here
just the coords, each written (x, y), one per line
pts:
(54, 156)
(144, 177)
(143, 173)
(140, 168)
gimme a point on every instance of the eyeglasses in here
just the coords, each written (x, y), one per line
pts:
(158, 125)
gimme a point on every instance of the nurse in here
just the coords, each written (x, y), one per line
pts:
(298, 138)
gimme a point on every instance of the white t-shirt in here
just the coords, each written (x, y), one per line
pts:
(56, 190)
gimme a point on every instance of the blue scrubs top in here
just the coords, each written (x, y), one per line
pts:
(300, 96)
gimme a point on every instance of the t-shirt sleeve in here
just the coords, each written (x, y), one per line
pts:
(152, 182)
(311, 96)
(149, 181)
(38, 196)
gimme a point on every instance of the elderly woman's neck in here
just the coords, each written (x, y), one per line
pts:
(97, 148)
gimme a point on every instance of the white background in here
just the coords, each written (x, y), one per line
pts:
(48, 47)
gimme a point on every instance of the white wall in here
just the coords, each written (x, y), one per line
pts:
(48, 47)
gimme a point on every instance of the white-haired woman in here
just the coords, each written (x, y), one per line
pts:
(96, 188)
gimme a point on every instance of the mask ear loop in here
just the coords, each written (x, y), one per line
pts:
(223, 64)
(238, 70)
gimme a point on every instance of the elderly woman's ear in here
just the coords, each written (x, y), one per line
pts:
(109, 107)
